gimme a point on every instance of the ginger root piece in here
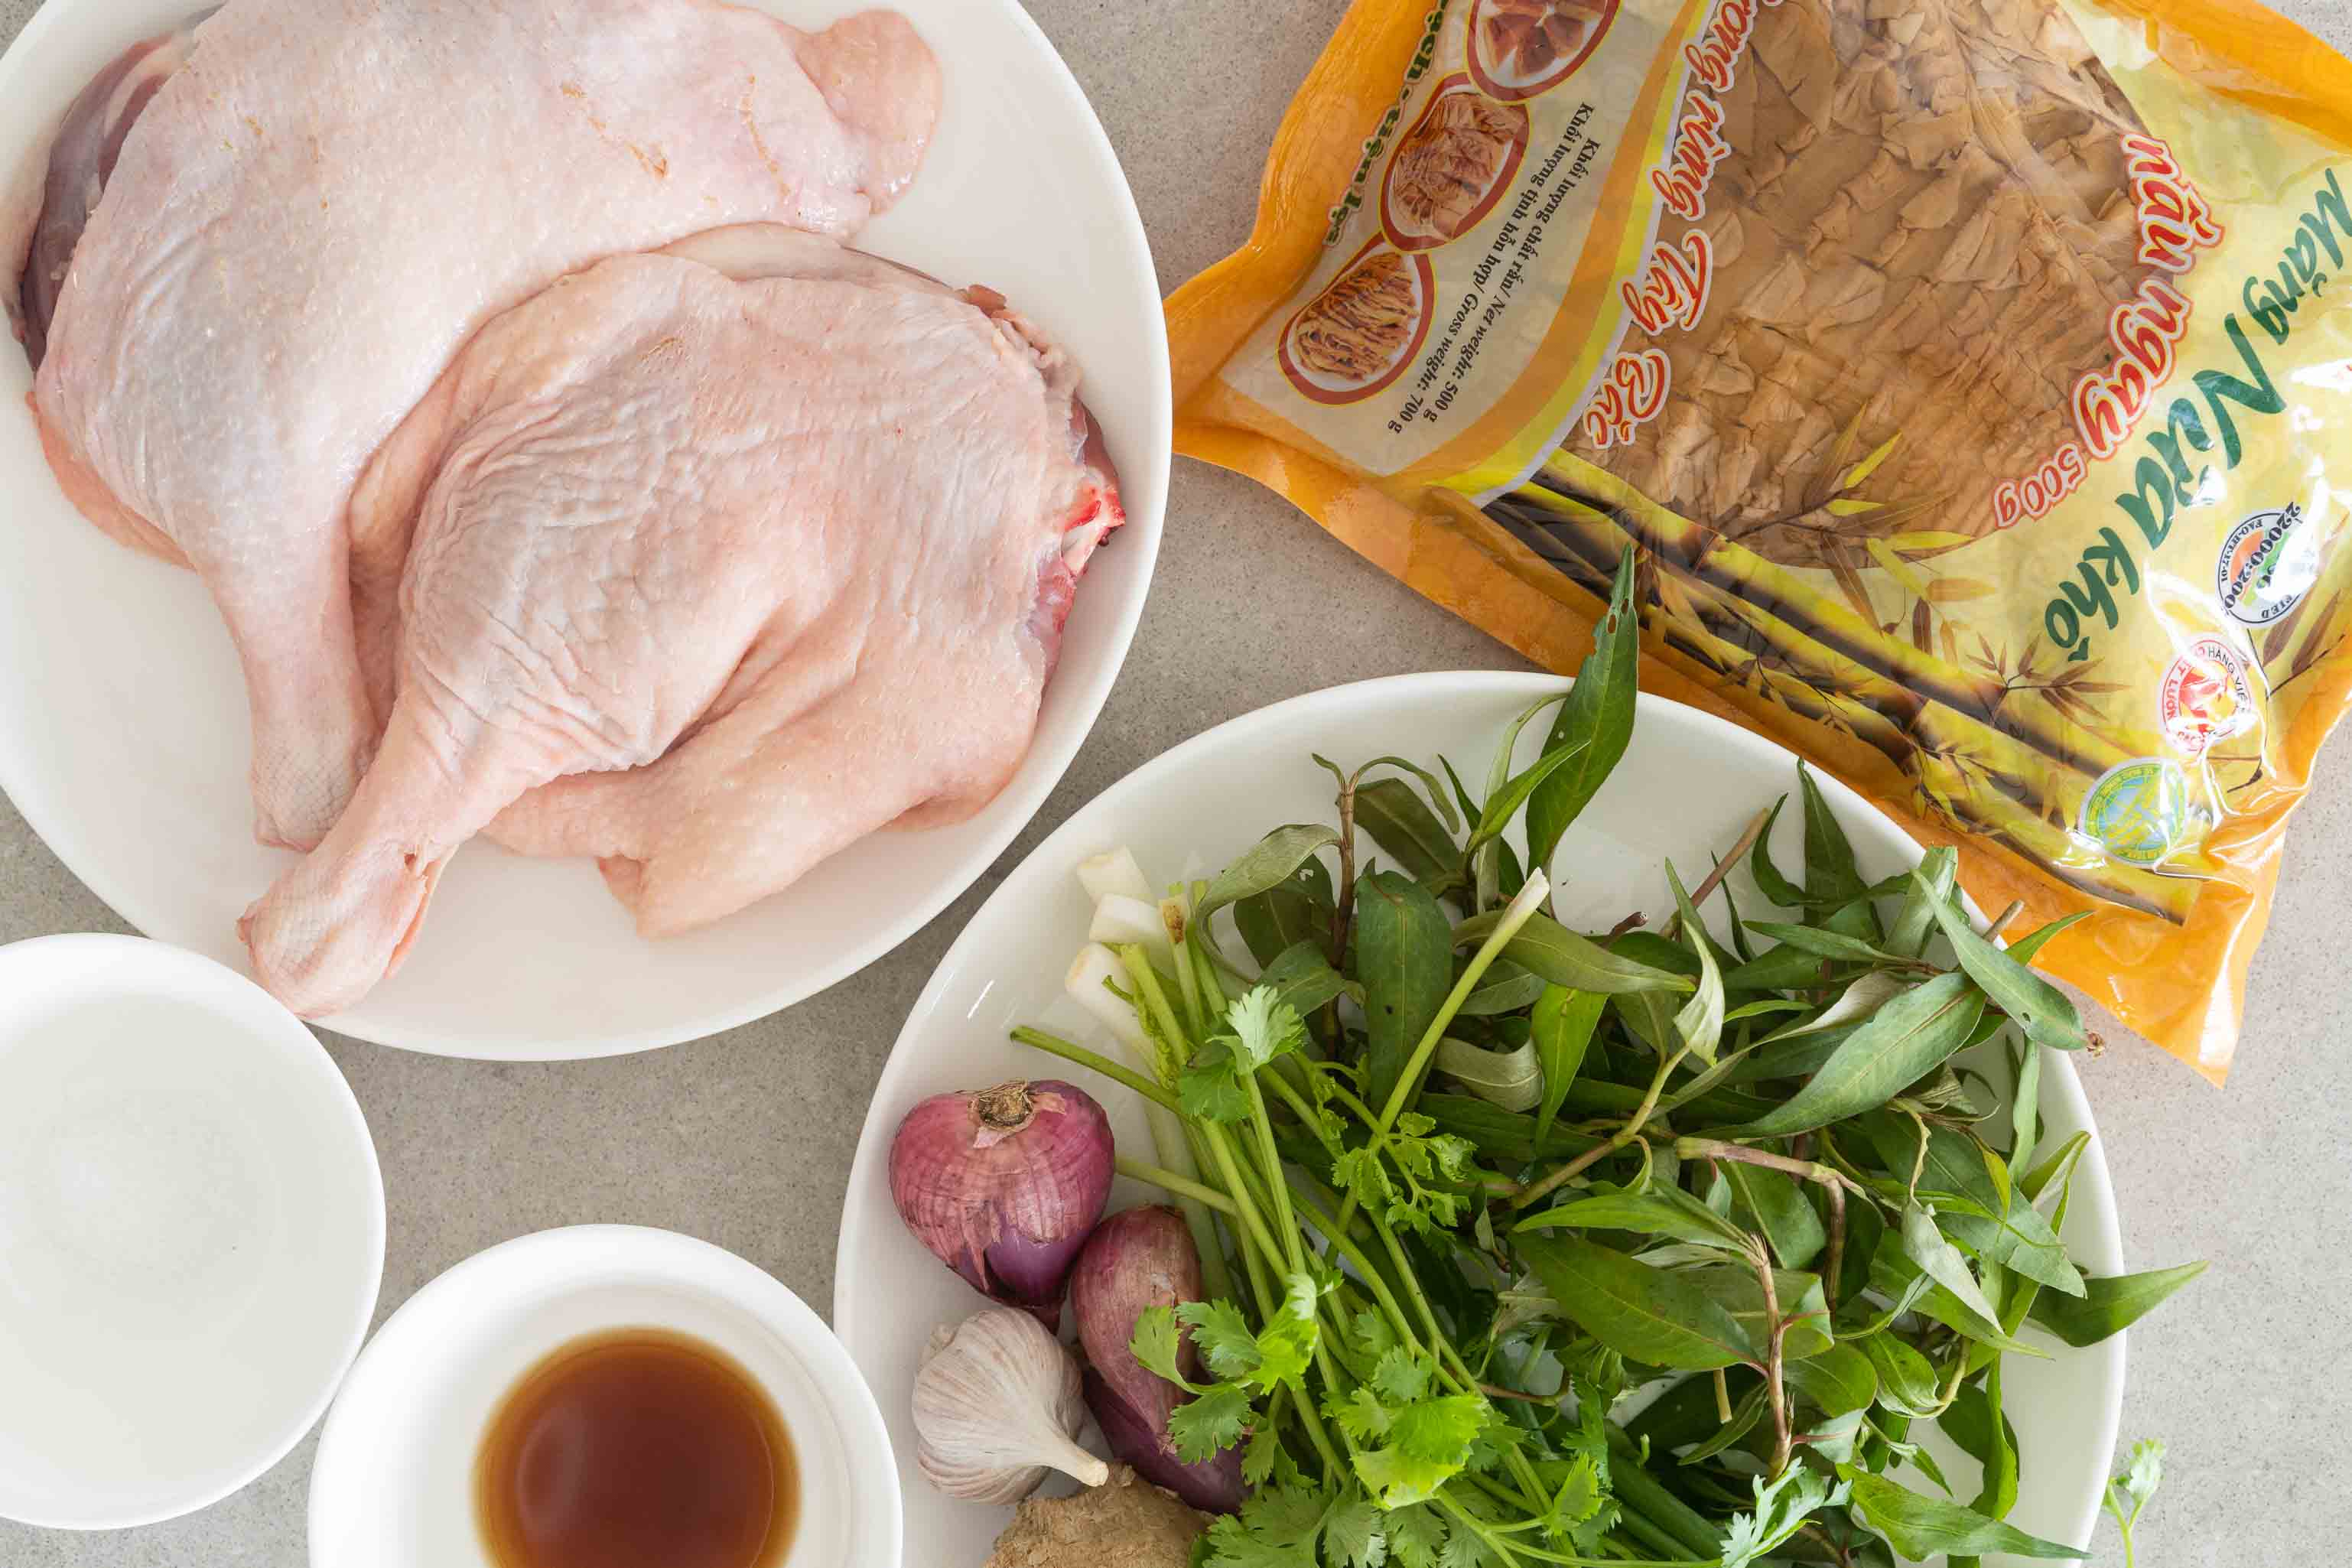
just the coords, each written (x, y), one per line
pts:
(1126, 1522)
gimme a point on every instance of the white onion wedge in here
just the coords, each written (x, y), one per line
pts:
(1113, 872)
(1088, 984)
(1120, 921)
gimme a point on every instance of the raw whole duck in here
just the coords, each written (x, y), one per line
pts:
(718, 559)
(300, 224)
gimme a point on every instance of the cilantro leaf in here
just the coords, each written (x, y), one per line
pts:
(1210, 1089)
(1462, 1549)
(1401, 1376)
(1352, 1536)
(1285, 1351)
(1158, 1346)
(1439, 1430)
(1369, 1338)
(2129, 1493)
(1781, 1510)
(1212, 1420)
(1263, 1026)
(1411, 1175)
(1398, 1477)
(1287, 1517)
(1258, 1458)
(1415, 1534)
(1229, 1544)
(1222, 1336)
(2144, 1475)
(1360, 1415)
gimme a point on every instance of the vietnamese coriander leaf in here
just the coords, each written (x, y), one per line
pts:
(1903, 1039)
(1831, 876)
(1560, 1028)
(1938, 874)
(1700, 1022)
(2025, 947)
(1663, 1210)
(1394, 812)
(1543, 946)
(1404, 959)
(1938, 1258)
(1768, 878)
(2040, 1008)
(1274, 860)
(1599, 712)
(1304, 977)
(1512, 1080)
(1920, 1528)
(2110, 1305)
(1503, 803)
(1645, 1314)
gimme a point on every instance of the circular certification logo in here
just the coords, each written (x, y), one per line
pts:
(2268, 563)
(2138, 811)
(2208, 695)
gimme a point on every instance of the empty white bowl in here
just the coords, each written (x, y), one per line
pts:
(191, 1231)
(393, 1484)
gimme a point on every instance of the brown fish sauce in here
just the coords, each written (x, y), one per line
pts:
(637, 1447)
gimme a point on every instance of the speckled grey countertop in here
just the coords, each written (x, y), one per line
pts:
(745, 1138)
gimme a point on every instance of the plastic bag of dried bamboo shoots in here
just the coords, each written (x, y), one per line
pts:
(1973, 379)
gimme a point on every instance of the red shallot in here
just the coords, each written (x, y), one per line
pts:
(1137, 1259)
(1003, 1184)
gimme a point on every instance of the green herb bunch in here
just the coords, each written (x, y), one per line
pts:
(1530, 1247)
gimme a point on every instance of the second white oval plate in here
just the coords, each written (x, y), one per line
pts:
(123, 736)
(1690, 784)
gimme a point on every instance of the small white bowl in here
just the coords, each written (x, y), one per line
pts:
(393, 1483)
(191, 1231)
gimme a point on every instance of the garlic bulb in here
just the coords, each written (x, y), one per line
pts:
(997, 1403)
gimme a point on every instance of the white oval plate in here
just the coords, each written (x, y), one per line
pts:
(393, 1484)
(1689, 784)
(123, 737)
(191, 1231)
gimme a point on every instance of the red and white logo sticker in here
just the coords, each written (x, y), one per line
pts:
(2207, 697)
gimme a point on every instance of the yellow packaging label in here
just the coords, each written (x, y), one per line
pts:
(1970, 378)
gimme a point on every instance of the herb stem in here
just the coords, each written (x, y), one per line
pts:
(1054, 1045)
(1644, 1497)
(1154, 998)
(1625, 1135)
(1497, 1391)
(1705, 889)
(1517, 914)
(1343, 907)
(1775, 1389)
(1286, 1222)
(1373, 1277)
(1741, 1153)
(1460, 1372)
(1168, 1181)
(1252, 1224)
